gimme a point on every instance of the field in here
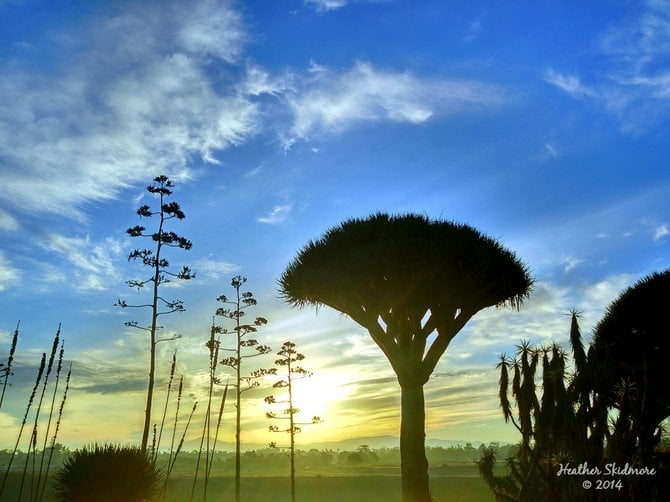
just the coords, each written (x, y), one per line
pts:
(448, 484)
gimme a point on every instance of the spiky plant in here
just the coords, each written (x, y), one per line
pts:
(558, 426)
(108, 473)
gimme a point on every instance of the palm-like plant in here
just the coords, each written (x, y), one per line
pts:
(404, 278)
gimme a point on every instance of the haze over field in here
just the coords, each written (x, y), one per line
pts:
(542, 124)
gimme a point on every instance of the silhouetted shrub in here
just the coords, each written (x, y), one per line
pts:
(108, 473)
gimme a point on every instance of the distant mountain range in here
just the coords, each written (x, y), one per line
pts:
(374, 442)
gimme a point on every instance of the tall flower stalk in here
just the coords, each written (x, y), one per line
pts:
(55, 436)
(59, 368)
(52, 357)
(289, 356)
(235, 309)
(7, 369)
(155, 260)
(167, 401)
(40, 372)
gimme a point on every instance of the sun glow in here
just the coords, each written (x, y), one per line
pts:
(319, 395)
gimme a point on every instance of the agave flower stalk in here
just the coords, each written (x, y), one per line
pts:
(31, 446)
(7, 370)
(181, 442)
(58, 422)
(40, 372)
(216, 434)
(176, 420)
(213, 346)
(52, 357)
(59, 368)
(167, 400)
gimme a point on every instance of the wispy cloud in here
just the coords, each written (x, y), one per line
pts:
(661, 231)
(9, 275)
(633, 81)
(473, 31)
(552, 150)
(84, 130)
(277, 215)
(326, 5)
(568, 83)
(209, 269)
(8, 222)
(331, 5)
(570, 263)
(332, 101)
(94, 263)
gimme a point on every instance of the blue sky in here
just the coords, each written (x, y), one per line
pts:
(543, 124)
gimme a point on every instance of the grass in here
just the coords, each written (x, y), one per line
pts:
(319, 488)
(367, 488)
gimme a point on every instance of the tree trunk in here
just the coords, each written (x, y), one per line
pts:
(414, 466)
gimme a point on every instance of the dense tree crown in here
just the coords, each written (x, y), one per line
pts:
(411, 273)
(630, 346)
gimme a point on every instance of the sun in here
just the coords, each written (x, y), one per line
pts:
(319, 395)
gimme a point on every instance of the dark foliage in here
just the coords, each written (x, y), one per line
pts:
(630, 347)
(108, 473)
(605, 412)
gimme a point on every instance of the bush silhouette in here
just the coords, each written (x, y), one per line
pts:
(108, 473)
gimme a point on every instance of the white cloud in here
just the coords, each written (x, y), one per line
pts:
(94, 263)
(9, 275)
(639, 40)
(8, 222)
(257, 81)
(214, 29)
(635, 85)
(659, 85)
(570, 263)
(331, 5)
(568, 83)
(551, 150)
(473, 31)
(661, 231)
(212, 269)
(326, 5)
(84, 130)
(597, 296)
(277, 215)
(331, 101)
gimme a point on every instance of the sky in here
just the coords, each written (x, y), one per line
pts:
(543, 124)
